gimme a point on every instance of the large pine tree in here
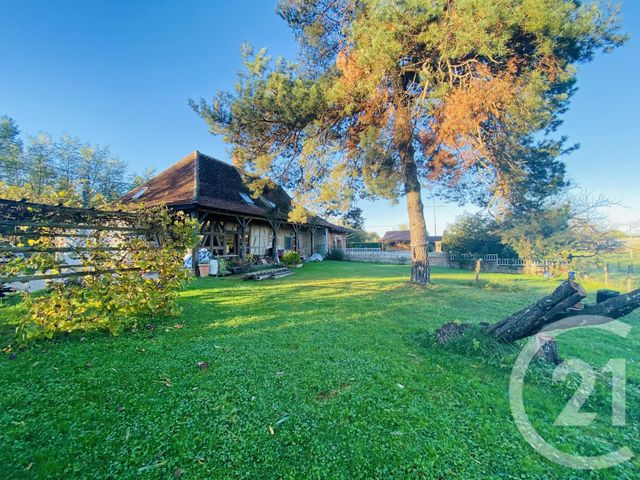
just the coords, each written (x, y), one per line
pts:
(391, 95)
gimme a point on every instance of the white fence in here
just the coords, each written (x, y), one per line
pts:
(377, 252)
(511, 262)
(356, 251)
(487, 257)
(503, 262)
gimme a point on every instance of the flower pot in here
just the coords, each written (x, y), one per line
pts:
(204, 269)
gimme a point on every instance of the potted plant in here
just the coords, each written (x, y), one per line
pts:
(292, 258)
(203, 267)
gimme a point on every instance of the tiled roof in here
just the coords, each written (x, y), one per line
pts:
(174, 186)
(209, 182)
(404, 236)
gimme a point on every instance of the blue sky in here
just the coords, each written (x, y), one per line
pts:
(121, 72)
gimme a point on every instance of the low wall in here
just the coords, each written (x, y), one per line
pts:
(436, 259)
(379, 257)
(396, 257)
(440, 259)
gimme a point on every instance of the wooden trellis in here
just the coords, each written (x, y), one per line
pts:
(69, 229)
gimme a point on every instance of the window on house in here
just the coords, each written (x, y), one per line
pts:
(247, 199)
(268, 203)
(288, 242)
(139, 193)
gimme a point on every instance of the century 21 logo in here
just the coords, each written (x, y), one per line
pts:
(571, 414)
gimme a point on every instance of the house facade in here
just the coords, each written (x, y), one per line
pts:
(395, 240)
(233, 222)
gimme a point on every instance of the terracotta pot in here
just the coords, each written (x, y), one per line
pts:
(204, 269)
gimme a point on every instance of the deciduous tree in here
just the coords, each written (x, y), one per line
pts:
(475, 233)
(10, 151)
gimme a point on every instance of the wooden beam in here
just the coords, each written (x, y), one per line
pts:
(313, 228)
(50, 276)
(69, 226)
(66, 210)
(275, 226)
(296, 236)
(243, 223)
(58, 249)
(194, 250)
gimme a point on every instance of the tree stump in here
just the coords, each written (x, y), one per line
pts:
(450, 330)
(547, 350)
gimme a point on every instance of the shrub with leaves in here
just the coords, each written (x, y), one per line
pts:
(335, 254)
(142, 274)
(291, 257)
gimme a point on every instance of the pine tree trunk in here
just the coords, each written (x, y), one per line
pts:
(420, 271)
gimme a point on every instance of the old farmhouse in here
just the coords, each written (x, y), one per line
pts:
(233, 222)
(401, 239)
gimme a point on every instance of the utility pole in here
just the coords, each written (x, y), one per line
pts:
(434, 207)
(435, 226)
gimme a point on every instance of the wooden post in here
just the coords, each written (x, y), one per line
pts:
(478, 270)
(194, 250)
(606, 274)
(296, 236)
(629, 275)
(225, 247)
(313, 239)
(275, 227)
(212, 233)
(243, 223)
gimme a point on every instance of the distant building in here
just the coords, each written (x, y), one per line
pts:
(401, 240)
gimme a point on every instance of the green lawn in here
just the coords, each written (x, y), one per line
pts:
(325, 374)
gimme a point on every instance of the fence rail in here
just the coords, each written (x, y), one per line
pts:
(511, 262)
(362, 250)
(503, 262)
(487, 257)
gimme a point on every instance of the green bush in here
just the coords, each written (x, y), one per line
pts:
(291, 258)
(335, 254)
(223, 266)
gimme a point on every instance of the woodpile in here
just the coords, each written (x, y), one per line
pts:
(271, 274)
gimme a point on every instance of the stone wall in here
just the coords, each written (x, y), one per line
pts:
(397, 257)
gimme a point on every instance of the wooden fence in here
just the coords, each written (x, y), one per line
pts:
(72, 236)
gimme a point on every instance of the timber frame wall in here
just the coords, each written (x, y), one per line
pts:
(223, 232)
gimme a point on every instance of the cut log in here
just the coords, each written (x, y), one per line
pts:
(548, 310)
(532, 319)
(613, 308)
(273, 273)
(555, 307)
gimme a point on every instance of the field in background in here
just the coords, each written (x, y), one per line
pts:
(623, 268)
